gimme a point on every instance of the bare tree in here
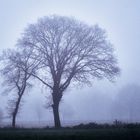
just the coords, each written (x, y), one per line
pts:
(16, 68)
(72, 52)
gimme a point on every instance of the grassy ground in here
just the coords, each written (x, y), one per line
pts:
(91, 131)
(71, 134)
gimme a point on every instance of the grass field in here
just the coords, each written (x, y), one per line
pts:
(71, 134)
(91, 131)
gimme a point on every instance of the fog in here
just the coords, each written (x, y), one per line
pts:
(103, 101)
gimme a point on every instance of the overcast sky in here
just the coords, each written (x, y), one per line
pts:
(120, 18)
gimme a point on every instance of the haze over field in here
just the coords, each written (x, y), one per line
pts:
(103, 101)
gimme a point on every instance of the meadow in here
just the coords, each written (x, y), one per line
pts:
(91, 131)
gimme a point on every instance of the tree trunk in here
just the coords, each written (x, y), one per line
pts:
(15, 114)
(57, 122)
(16, 111)
(14, 121)
(57, 95)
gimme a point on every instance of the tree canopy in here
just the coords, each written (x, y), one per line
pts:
(67, 51)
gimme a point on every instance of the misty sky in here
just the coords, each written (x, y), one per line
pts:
(121, 20)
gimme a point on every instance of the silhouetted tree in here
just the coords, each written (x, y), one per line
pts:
(17, 69)
(72, 52)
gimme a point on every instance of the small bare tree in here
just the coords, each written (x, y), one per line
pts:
(71, 52)
(16, 68)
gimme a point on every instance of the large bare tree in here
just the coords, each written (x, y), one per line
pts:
(17, 69)
(71, 52)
